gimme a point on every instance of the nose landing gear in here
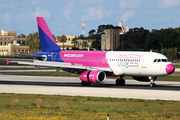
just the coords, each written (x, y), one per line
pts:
(152, 79)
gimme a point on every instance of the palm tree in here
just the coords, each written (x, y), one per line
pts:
(74, 41)
(58, 38)
(63, 39)
(37, 41)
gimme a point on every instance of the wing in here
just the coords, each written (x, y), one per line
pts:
(62, 65)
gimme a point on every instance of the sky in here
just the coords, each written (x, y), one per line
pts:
(65, 16)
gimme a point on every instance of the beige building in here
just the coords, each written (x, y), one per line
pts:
(69, 44)
(81, 41)
(9, 43)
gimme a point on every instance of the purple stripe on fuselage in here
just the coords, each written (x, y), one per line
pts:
(42, 24)
(85, 58)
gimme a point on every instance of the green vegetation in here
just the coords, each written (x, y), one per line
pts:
(177, 65)
(26, 106)
(62, 39)
(166, 41)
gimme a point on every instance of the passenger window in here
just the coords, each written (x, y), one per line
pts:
(155, 60)
(159, 60)
(168, 60)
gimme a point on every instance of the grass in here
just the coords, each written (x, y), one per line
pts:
(177, 65)
(27, 106)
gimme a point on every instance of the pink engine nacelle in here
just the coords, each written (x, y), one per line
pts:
(143, 79)
(93, 76)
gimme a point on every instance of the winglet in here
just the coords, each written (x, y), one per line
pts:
(7, 61)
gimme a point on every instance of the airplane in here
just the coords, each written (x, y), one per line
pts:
(94, 66)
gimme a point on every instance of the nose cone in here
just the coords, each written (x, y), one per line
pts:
(170, 68)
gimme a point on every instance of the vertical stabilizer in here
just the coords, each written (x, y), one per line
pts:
(48, 43)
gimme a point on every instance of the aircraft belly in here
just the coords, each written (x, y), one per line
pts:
(134, 71)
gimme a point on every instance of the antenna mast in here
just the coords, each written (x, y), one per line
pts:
(83, 27)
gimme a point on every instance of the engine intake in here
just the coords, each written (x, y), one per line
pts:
(93, 76)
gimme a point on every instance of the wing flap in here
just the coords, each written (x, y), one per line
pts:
(63, 65)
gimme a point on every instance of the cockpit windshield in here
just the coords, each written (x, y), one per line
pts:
(164, 60)
(161, 60)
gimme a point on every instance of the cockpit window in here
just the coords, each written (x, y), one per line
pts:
(159, 60)
(164, 60)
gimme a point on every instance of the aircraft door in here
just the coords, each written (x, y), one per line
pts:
(144, 61)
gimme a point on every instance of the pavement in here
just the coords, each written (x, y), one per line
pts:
(72, 86)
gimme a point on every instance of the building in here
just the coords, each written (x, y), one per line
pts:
(9, 43)
(112, 37)
(80, 42)
(110, 40)
(123, 30)
(68, 43)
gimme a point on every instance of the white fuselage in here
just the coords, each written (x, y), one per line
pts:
(137, 63)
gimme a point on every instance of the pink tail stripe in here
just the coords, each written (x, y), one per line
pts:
(42, 24)
(7, 61)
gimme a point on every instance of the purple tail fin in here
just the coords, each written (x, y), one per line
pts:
(48, 43)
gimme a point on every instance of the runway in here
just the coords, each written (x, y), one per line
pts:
(72, 86)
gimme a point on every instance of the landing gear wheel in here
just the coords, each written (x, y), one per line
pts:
(85, 83)
(152, 84)
(120, 82)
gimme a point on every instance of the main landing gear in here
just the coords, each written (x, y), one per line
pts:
(152, 79)
(85, 83)
(120, 82)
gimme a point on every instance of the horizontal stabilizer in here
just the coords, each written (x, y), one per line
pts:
(30, 56)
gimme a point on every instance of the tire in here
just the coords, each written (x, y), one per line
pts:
(120, 82)
(85, 83)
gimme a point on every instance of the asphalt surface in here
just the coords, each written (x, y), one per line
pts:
(72, 86)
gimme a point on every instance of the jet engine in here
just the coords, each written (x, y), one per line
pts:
(93, 76)
(144, 79)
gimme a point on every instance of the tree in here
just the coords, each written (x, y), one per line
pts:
(101, 28)
(37, 41)
(96, 44)
(54, 37)
(135, 39)
(91, 32)
(58, 38)
(84, 44)
(63, 39)
(33, 42)
(21, 36)
(81, 37)
(74, 41)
